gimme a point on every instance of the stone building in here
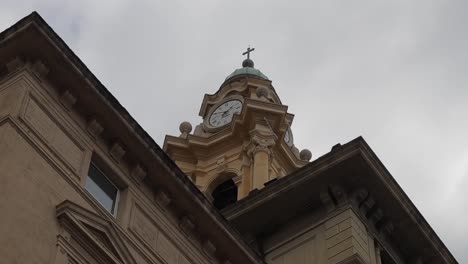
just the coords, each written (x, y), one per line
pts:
(82, 182)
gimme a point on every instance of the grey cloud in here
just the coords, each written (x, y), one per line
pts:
(392, 71)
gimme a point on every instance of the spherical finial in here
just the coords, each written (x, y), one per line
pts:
(185, 127)
(305, 155)
(248, 63)
(262, 92)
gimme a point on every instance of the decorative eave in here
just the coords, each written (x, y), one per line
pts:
(79, 90)
(193, 148)
(349, 174)
(197, 147)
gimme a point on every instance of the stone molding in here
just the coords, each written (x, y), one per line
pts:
(41, 119)
(367, 208)
(347, 238)
(62, 121)
(81, 80)
(237, 180)
(94, 233)
(221, 164)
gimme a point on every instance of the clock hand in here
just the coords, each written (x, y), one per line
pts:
(218, 113)
(237, 107)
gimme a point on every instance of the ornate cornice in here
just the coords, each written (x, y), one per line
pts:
(122, 137)
(94, 233)
(363, 182)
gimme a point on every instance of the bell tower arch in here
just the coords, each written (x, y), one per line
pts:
(245, 129)
(223, 189)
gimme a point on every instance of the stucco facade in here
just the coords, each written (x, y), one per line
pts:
(57, 122)
(251, 144)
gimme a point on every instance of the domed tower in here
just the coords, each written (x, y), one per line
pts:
(244, 141)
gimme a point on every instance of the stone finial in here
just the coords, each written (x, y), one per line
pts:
(305, 155)
(262, 93)
(185, 128)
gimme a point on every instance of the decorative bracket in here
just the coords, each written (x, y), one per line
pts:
(117, 151)
(15, 64)
(94, 128)
(187, 225)
(40, 69)
(68, 100)
(138, 173)
(163, 199)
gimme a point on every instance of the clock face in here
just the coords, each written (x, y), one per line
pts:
(223, 114)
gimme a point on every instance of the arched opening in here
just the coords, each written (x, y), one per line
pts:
(224, 194)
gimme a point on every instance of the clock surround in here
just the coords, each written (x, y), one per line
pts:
(222, 113)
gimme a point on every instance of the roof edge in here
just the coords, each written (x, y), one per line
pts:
(357, 146)
(185, 184)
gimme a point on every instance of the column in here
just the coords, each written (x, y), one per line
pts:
(259, 149)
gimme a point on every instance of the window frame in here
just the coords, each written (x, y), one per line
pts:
(117, 196)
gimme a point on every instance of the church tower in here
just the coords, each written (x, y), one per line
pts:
(244, 142)
(83, 182)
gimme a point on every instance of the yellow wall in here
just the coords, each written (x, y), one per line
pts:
(44, 156)
(339, 238)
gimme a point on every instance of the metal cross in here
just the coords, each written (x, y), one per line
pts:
(248, 52)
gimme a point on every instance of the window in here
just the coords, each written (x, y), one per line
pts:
(102, 189)
(225, 194)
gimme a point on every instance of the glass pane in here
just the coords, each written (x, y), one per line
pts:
(101, 188)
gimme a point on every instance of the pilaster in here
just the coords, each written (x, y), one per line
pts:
(262, 139)
(347, 239)
(246, 184)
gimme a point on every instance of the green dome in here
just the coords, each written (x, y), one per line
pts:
(247, 69)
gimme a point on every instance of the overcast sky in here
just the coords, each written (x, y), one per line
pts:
(392, 71)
